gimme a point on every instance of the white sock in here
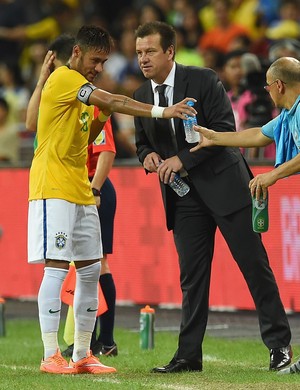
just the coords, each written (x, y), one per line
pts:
(85, 308)
(82, 341)
(49, 304)
(50, 343)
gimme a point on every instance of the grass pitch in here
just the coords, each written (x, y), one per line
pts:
(234, 365)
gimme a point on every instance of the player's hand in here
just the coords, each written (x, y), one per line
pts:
(206, 138)
(47, 68)
(98, 201)
(180, 110)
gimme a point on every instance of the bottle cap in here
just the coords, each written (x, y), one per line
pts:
(147, 309)
(190, 103)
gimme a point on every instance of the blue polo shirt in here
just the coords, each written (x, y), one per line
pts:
(285, 131)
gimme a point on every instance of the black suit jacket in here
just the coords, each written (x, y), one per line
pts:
(219, 174)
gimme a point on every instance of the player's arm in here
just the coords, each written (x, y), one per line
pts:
(97, 125)
(109, 102)
(246, 138)
(104, 165)
(34, 102)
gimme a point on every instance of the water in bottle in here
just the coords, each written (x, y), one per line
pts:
(147, 314)
(191, 136)
(260, 215)
(179, 186)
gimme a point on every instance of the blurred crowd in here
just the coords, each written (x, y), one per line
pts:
(236, 38)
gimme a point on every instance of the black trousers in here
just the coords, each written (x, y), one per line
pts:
(194, 233)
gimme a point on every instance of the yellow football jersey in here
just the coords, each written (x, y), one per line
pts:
(58, 167)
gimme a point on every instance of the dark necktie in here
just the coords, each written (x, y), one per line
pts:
(164, 127)
(161, 93)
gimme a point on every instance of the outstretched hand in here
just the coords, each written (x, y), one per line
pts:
(206, 138)
(46, 68)
(180, 110)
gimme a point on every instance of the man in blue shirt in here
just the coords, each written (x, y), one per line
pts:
(283, 85)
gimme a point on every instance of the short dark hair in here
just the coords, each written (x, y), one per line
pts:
(63, 46)
(89, 37)
(166, 32)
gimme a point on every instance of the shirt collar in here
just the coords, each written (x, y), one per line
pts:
(169, 81)
(294, 107)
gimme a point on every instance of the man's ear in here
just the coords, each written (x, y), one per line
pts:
(171, 51)
(76, 51)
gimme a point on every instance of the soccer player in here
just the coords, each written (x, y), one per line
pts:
(62, 216)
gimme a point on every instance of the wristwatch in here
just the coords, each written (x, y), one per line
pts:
(96, 192)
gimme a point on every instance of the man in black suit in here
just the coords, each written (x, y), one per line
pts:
(219, 197)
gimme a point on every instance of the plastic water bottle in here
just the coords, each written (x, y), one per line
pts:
(179, 186)
(147, 316)
(260, 215)
(191, 136)
(2, 317)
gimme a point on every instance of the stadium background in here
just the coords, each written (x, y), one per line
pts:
(144, 262)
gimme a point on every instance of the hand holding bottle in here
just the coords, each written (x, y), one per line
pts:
(191, 136)
(173, 179)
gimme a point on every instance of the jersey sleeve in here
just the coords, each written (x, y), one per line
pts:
(105, 140)
(268, 128)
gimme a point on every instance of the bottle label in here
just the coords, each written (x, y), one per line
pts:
(260, 217)
(146, 330)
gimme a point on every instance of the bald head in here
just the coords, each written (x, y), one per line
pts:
(286, 69)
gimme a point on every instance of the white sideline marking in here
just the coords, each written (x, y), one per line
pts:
(206, 358)
(211, 358)
(145, 385)
(176, 328)
(14, 367)
(177, 387)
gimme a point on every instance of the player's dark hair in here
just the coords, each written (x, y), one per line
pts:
(94, 37)
(62, 46)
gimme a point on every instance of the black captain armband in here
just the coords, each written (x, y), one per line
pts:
(85, 92)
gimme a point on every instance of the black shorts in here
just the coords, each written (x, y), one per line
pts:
(106, 213)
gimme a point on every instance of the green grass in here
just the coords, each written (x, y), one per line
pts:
(238, 364)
